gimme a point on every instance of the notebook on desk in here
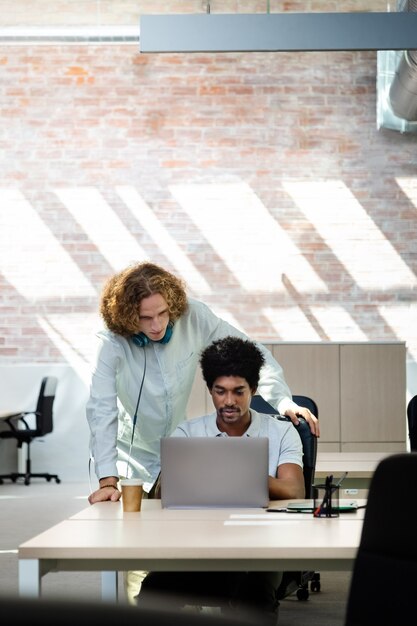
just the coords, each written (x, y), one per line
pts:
(307, 506)
(214, 472)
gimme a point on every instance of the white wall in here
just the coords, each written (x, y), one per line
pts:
(65, 451)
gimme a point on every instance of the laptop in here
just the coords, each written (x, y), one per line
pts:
(214, 472)
(307, 506)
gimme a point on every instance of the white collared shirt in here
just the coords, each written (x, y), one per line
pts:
(284, 441)
(168, 379)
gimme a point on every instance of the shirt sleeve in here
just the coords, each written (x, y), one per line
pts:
(180, 431)
(102, 410)
(291, 447)
(272, 384)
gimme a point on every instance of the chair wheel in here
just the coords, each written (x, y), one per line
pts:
(27, 481)
(48, 479)
(315, 585)
(302, 593)
(57, 480)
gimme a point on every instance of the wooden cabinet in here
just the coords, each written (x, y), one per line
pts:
(373, 397)
(360, 389)
(313, 370)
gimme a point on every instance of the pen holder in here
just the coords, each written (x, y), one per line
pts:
(326, 501)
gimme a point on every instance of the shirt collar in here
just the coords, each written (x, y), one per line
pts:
(253, 430)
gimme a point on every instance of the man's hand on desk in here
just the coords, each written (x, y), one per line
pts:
(311, 419)
(107, 491)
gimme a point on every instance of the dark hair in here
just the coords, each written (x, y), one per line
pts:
(232, 356)
(123, 293)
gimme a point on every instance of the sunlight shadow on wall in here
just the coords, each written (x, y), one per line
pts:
(102, 225)
(352, 236)
(41, 268)
(409, 188)
(338, 323)
(167, 244)
(250, 242)
(334, 320)
(74, 338)
(300, 325)
(399, 318)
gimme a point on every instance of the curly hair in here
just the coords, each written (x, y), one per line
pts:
(123, 293)
(232, 356)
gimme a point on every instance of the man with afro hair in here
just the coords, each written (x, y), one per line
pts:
(231, 368)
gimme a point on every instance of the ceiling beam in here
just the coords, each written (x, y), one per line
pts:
(278, 32)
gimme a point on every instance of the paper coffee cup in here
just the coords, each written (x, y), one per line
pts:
(132, 491)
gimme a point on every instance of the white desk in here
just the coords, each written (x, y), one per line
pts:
(359, 465)
(152, 510)
(102, 538)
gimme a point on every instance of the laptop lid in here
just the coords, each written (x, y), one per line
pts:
(214, 472)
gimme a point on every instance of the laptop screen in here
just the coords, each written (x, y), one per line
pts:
(214, 472)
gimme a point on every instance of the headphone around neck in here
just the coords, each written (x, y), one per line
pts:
(142, 340)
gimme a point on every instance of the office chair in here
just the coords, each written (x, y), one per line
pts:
(309, 444)
(298, 581)
(308, 440)
(44, 425)
(387, 552)
(412, 423)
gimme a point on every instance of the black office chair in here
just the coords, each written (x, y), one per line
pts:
(309, 441)
(44, 425)
(412, 423)
(387, 553)
(298, 581)
(309, 444)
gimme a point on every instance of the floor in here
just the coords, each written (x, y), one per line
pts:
(27, 510)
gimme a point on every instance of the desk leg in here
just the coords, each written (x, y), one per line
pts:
(29, 578)
(109, 585)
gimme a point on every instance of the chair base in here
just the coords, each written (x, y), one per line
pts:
(298, 582)
(14, 477)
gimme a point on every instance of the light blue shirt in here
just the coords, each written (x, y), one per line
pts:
(168, 379)
(284, 441)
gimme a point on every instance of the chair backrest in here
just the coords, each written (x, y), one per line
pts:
(387, 554)
(44, 415)
(308, 440)
(309, 443)
(308, 403)
(412, 422)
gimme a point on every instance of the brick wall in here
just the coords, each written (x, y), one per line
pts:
(261, 178)
(110, 12)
